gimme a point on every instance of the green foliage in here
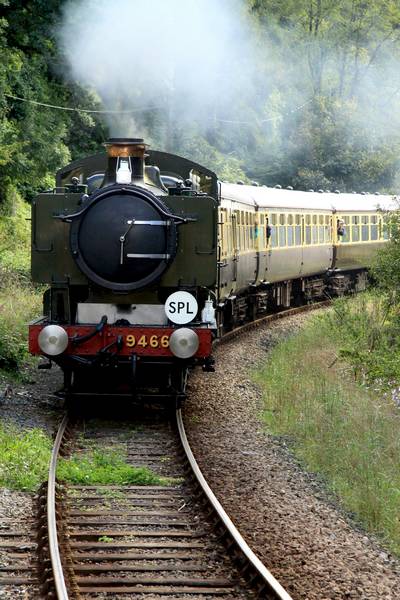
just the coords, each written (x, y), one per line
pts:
(20, 302)
(341, 59)
(321, 112)
(15, 234)
(105, 468)
(340, 429)
(24, 458)
(36, 141)
(386, 266)
(367, 331)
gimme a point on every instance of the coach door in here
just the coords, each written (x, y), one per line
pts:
(235, 250)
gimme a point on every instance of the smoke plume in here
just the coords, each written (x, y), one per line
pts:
(187, 58)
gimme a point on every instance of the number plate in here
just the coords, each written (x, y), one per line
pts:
(144, 341)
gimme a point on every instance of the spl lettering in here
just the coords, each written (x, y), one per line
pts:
(179, 307)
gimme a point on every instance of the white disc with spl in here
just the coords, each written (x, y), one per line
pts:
(181, 308)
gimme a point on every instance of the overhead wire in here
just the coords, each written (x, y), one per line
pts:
(149, 108)
(84, 110)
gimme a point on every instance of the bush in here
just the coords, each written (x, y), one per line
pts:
(367, 332)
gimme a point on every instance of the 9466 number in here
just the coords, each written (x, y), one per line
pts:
(153, 341)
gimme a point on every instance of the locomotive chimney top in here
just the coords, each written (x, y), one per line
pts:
(126, 158)
(133, 147)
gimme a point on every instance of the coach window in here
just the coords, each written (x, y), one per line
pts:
(249, 236)
(251, 231)
(228, 232)
(314, 230)
(282, 230)
(290, 230)
(355, 228)
(327, 229)
(297, 230)
(321, 229)
(274, 230)
(384, 229)
(365, 228)
(374, 227)
(308, 230)
(345, 238)
(260, 231)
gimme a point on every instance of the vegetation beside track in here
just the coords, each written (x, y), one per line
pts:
(20, 301)
(100, 467)
(25, 456)
(322, 394)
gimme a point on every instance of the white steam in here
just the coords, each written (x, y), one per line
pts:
(190, 58)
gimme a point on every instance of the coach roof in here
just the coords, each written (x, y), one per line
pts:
(265, 197)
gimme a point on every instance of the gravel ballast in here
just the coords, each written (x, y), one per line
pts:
(286, 515)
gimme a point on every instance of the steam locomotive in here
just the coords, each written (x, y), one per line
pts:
(148, 258)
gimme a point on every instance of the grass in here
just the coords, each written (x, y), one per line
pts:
(24, 458)
(20, 301)
(100, 467)
(338, 427)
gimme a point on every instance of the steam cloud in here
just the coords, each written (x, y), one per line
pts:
(188, 57)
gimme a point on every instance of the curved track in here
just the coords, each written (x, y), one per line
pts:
(177, 552)
(76, 570)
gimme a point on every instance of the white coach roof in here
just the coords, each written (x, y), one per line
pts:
(266, 197)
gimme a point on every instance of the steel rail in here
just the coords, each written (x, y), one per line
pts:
(275, 590)
(57, 568)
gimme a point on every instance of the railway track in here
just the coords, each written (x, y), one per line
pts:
(169, 541)
(142, 541)
(160, 541)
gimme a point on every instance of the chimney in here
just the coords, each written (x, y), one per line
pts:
(126, 161)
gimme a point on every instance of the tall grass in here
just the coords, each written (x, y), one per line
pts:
(339, 428)
(20, 301)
